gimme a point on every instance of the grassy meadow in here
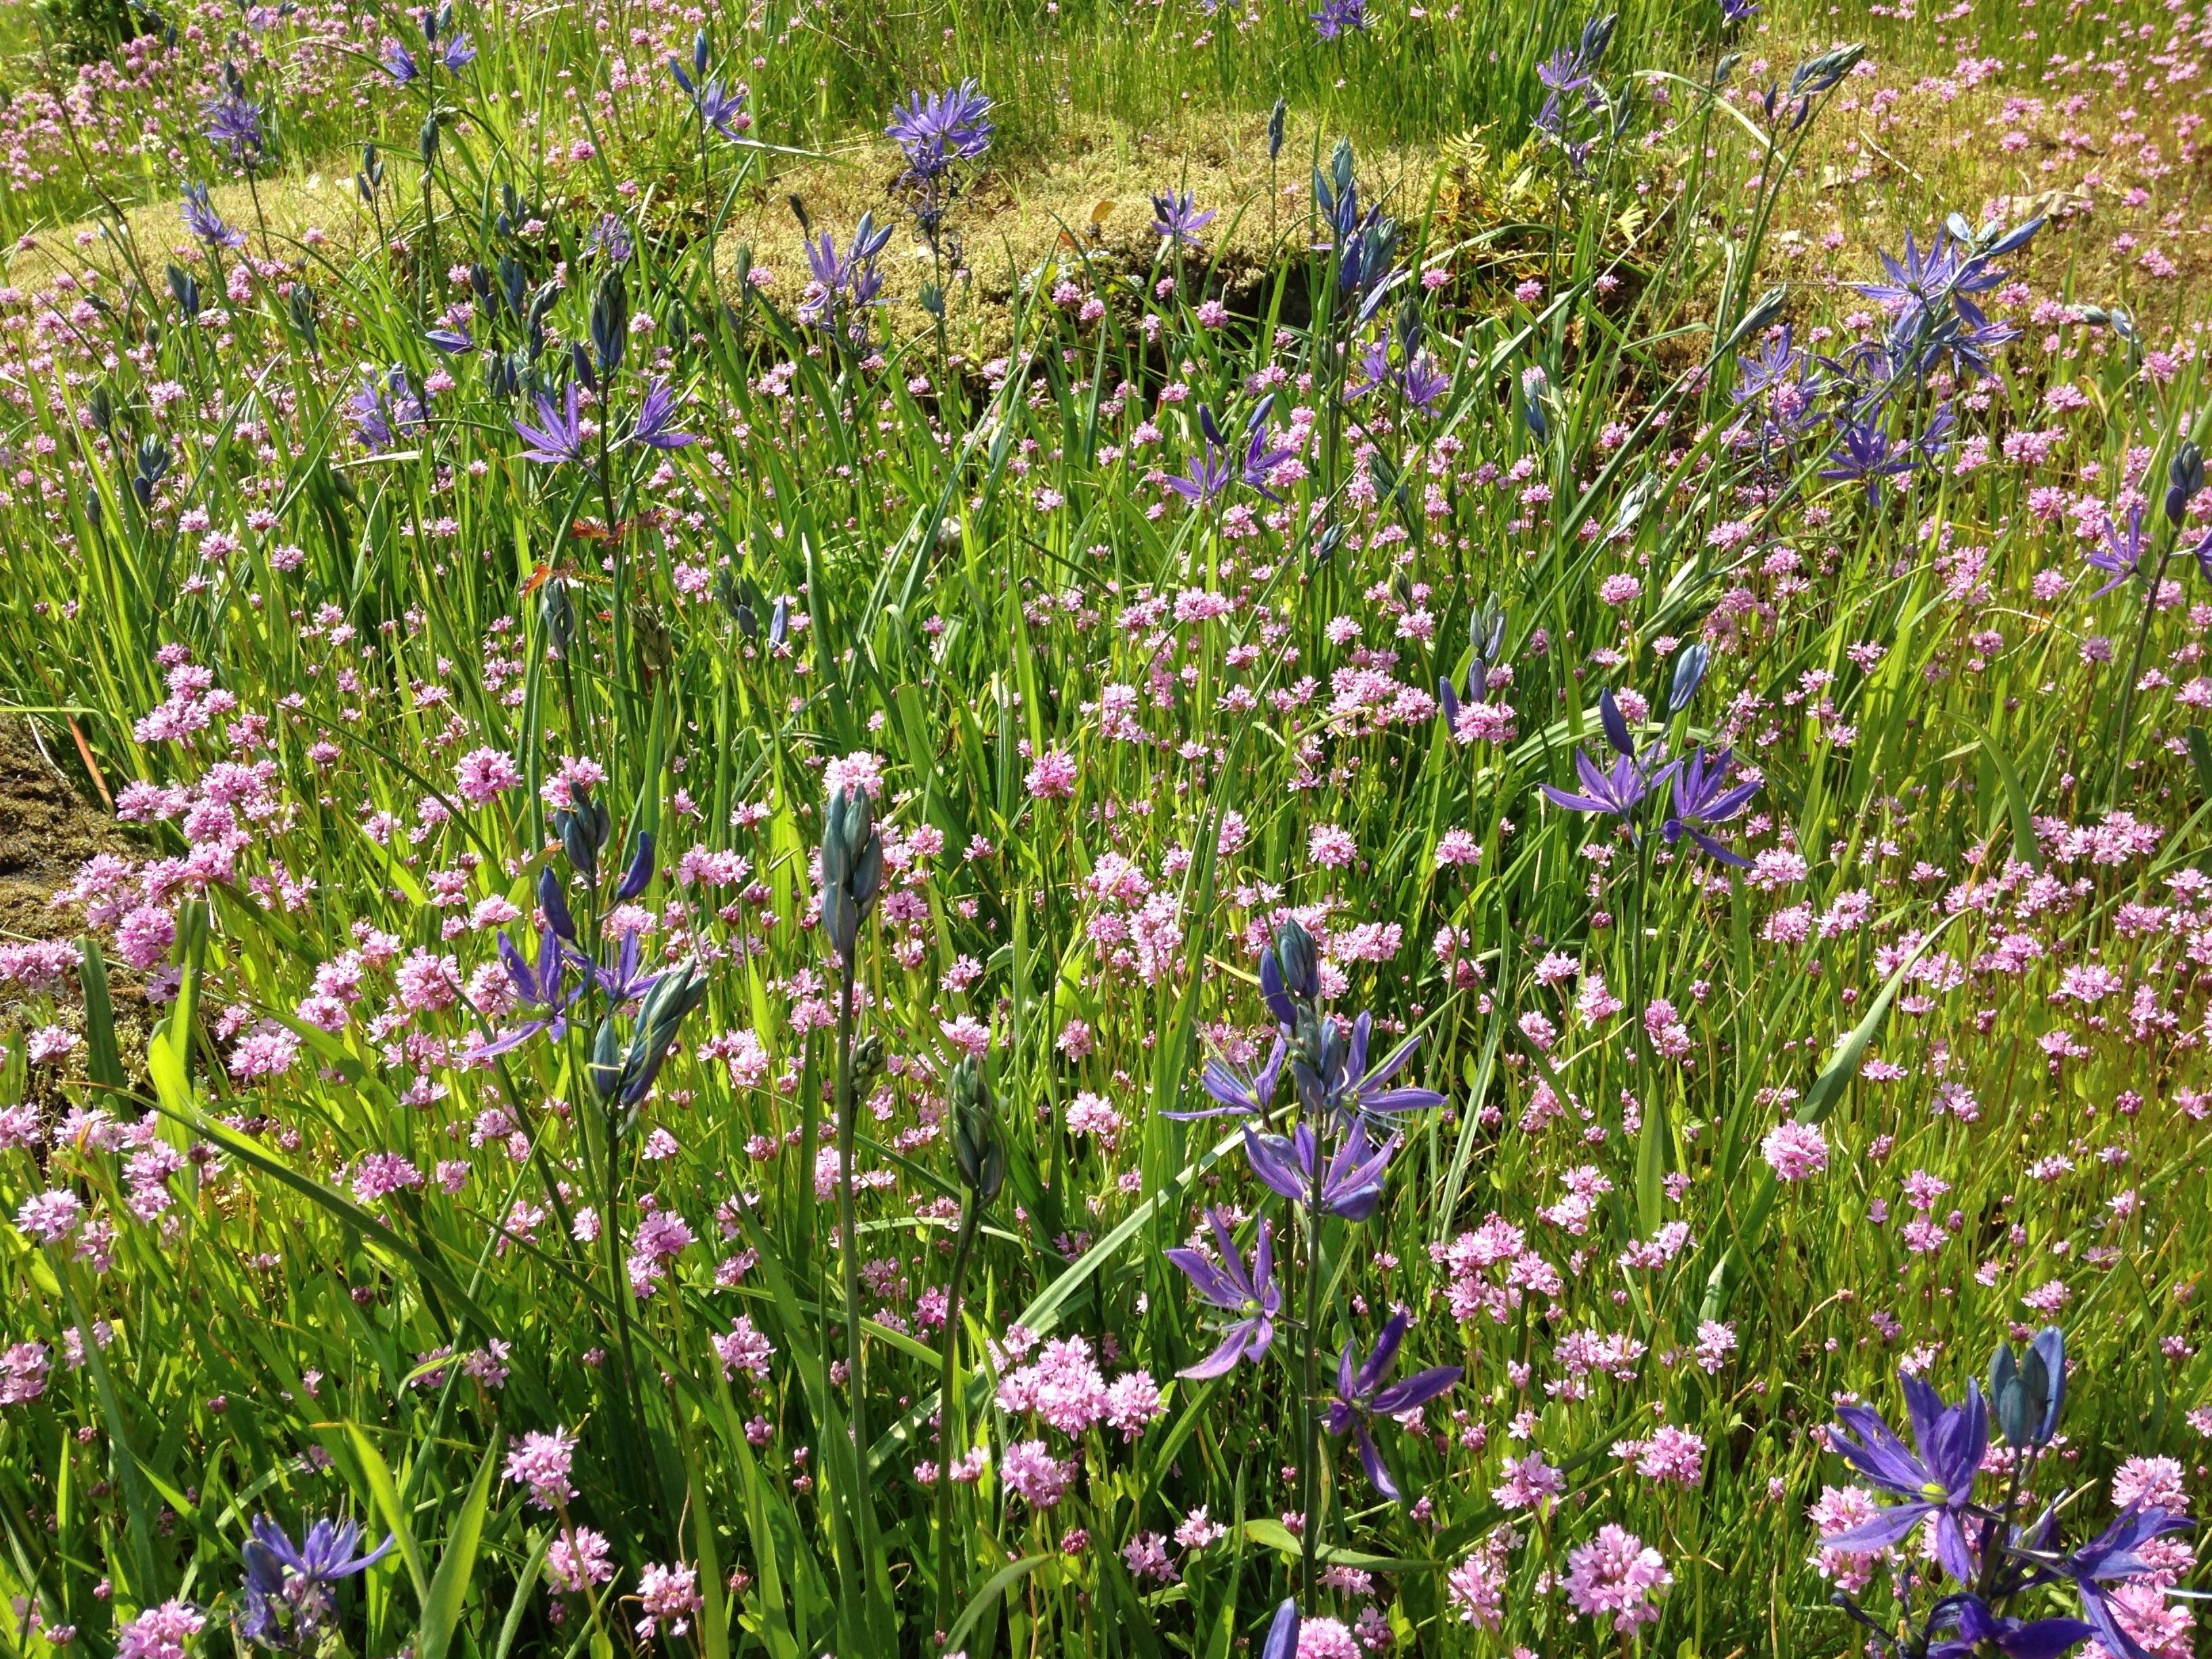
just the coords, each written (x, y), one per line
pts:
(1052, 827)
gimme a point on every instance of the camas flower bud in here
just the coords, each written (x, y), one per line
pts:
(2185, 478)
(977, 1147)
(2027, 1394)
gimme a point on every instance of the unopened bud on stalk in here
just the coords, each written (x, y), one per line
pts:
(559, 616)
(673, 995)
(1690, 664)
(2027, 1393)
(867, 1059)
(1300, 960)
(2185, 478)
(639, 876)
(975, 1145)
(554, 901)
(852, 867)
(583, 827)
(604, 1067)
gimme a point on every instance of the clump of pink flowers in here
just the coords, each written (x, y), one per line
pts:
(1617, 1577)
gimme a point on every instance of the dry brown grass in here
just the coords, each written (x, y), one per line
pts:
(1084, 202)
(1084, 198)
(290, 215)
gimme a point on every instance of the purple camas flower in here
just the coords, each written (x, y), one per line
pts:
(1175, 218)
(1704, 798)
(935, 131)
(1351, 1183)
(610, 240)
(399, 64)
(1865, 453)
(203, 222)
(558, 439)
(620, 980)
(1338, 17)
(371, 427)
(1938, 1482)
(289, 1596)
(544, 987)
(1621, 792)
(1240, 1091)
(234, 121)
(1333, 1077)
(656, 425)
(1362, 1395)
(1205, 476)
(382, 413)
(2116, 1554)
(842, 281)
(723, 111)
(1252, 1297)
(2120, 551)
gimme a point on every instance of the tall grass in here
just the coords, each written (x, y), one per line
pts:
(354, 1262)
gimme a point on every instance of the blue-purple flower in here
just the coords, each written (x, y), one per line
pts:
(2116, 1554)
(610, 240)
(1975, 1628)
(1338, 17)
(2117, 550)
(234, 121)
(621, 979)
(1865, 453)
(1234, 1090)
(1252, 1296)
(722, 109)
(1204, 477)
(1176, 218)
(289, 1587)
(934, 131)
(1621, 791)
(1938, 1481)
(381, 412)
(850, 279)
(1704, 798)
(558, 438)
(1350, 1182)
(203, 222)
(1336, 1078)
(656, 425)
(1362, 1396)
(544, 987)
